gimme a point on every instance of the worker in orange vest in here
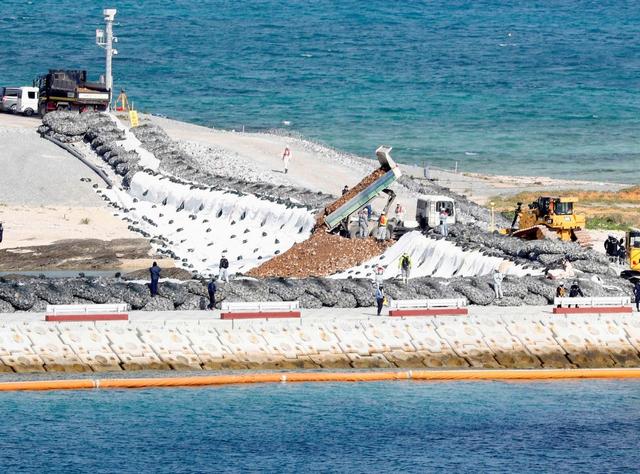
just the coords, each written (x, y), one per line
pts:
(382, 227)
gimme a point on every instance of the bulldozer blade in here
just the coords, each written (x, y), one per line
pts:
(537, 232)
(583, 238)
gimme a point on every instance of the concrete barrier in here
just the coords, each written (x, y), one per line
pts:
(593, 305)
(429, 307)
(259, 310)
(86, 312)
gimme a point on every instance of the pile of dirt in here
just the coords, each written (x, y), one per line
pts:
(377, 174)
(321, 255)
(75, 254)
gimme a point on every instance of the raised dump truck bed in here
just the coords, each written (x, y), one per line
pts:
(362, 198)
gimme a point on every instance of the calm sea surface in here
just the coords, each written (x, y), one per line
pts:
(535, 87)
(580, 426)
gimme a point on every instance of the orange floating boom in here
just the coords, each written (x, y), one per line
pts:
(282, 377)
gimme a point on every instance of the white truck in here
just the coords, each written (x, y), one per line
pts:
(429, 208)
(28, 98)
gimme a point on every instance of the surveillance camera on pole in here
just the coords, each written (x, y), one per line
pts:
(105, 39)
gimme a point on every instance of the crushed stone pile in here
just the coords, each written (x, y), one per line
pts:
(103, 135)
(321, 255)
(175, 160)
(100, 132)
(70, 127)
(224, 162)
(531, 253)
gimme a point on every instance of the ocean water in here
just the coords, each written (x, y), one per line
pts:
(537, 87)
(578, 426)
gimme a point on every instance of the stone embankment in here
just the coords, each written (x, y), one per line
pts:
(22, 293)
(328, 339)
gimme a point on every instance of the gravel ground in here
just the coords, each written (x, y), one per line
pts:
(37, 172)
(221, 162)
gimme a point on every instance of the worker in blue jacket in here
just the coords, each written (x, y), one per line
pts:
(154, 271)
(211, 288)
(379, 298)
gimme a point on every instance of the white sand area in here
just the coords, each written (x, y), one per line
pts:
(42, 197)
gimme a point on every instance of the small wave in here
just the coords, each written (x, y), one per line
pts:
(470, 153)
(306, 55)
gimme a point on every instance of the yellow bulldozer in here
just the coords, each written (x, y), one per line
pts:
(632, 242)
(550, 218)
(633, 247)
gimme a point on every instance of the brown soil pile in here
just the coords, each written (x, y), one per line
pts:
(75, 254)
(352, 192)
(321, 255)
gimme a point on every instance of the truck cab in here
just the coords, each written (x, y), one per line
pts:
(429, 207)
(27, 103)
(69, 90)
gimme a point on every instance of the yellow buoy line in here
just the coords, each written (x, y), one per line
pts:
(275, 377)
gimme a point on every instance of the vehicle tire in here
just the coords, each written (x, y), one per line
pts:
(28, 112)
(13, 109)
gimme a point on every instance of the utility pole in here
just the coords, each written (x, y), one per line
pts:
(105, 39)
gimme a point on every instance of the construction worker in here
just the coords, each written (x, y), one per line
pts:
(286, 157)
(444, 230)
(211, 289)
(622, 252)
(561, 292)
(369, 211)
(636, 294)
(379, 298)
(379, 278)
(575, 291)
(497, 283)
(224, 269)
(611, 247)
(382, 227)
(363, 224)
(405, 267)
(154, 271)
(399, 214)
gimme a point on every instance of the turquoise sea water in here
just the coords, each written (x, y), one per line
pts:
(538, 87)
(578, 426)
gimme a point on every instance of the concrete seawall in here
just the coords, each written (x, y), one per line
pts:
(490, 338)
